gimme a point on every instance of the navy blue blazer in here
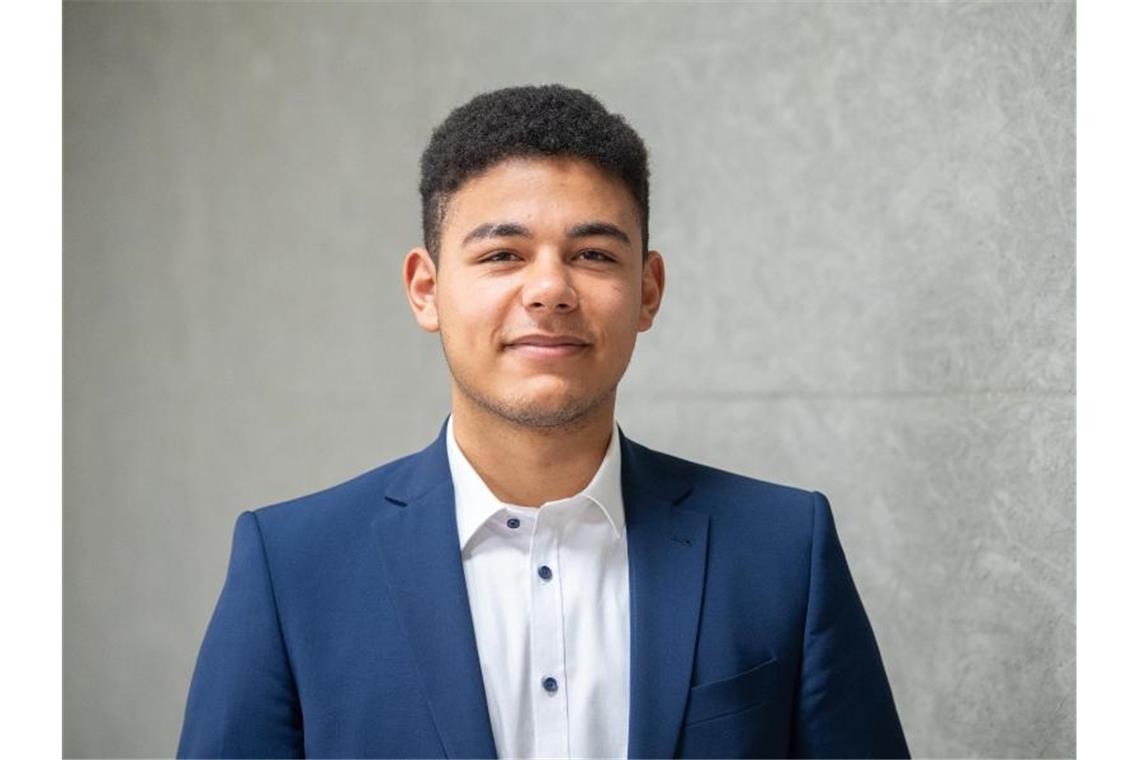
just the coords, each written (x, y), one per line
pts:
(343, 628)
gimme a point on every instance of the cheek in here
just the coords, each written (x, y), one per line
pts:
(620, 304)
(473, 315)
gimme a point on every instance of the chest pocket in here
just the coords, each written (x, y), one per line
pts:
(733, 694)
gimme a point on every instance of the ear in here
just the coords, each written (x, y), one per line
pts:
(420, 285)
(652, 289)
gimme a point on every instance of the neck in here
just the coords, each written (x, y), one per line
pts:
(529, 466)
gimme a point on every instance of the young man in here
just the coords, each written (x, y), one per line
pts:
(534, 584)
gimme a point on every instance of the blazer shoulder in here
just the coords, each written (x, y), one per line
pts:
(713, 480)
(753, 522)
(743, 499)
(343, 504)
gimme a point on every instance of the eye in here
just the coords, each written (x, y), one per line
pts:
(593, 255)
(499, 256)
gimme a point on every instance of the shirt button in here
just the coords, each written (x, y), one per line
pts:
(550, 684)
(513, 522)
(546, 574)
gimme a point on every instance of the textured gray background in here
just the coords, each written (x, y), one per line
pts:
(867, 216)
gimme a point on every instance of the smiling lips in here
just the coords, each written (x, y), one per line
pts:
(542, 346)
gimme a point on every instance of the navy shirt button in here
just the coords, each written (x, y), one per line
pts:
(550, 684)
(513, 522)
(545, 573)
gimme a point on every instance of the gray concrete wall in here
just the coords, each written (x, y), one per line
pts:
(867, 216)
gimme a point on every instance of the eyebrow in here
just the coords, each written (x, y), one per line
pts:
(598, 229)
(496, 230)
(513, 229)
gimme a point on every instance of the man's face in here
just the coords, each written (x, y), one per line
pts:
(540, 289)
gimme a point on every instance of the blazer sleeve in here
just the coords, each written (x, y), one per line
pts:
(844, 705)
(243, 701)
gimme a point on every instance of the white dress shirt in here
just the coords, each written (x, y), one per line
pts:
(549, 595)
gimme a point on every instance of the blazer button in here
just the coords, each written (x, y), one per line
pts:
(545, 573)
(550, 684)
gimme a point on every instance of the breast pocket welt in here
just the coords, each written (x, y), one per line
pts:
(738, 692)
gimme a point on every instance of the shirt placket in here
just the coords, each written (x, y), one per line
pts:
(547, 635)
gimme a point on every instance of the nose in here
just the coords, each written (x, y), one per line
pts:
(548, 287)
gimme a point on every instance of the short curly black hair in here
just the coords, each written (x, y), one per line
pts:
(546, 120)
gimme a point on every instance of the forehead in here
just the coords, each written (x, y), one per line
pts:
(555, 192)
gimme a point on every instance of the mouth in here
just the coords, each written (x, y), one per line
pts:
(547, 346)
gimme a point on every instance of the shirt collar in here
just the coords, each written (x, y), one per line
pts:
(475, 504)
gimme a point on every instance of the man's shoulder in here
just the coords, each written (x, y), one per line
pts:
(711, 489)
(345, 503)
(749, 518)
(709, 481)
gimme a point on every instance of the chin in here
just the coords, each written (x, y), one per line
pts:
(545, 410)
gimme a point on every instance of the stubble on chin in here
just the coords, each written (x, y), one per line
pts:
(572, 415)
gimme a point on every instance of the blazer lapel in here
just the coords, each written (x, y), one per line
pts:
(420, 548)
(667, 547)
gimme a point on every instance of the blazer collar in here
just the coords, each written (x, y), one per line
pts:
(421, 472)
